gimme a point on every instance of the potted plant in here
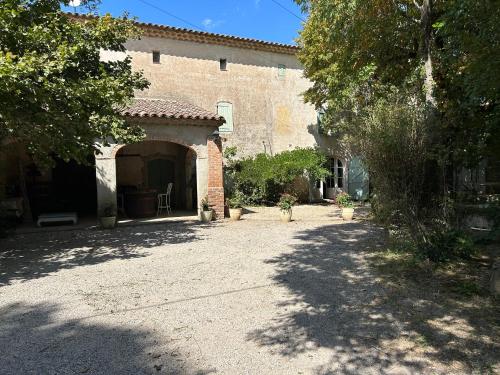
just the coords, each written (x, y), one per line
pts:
(206, 211)
(345, 202)
(108, 216)
(285, 204)
(235, 204)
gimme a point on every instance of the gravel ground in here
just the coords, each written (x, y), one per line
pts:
(250, 297)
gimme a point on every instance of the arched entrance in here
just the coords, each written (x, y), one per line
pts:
(145, 169)
(173, 124)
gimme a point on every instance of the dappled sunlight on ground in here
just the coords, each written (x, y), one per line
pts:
(253, 296)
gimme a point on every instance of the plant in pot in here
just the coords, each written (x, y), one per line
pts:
(206, 211)
(285, 204)
(344, 200)
(235, 204)
(108, 216)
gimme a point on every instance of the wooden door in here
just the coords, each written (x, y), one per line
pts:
(160, 173)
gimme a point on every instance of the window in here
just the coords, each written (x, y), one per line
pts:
(330, 180)
(340, 174)
(225, 109)
(336, 179)
(223, 64)
(281, 70)
(156, 57)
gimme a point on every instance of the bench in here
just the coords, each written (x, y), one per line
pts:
(60, 217)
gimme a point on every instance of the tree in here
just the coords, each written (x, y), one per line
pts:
(56, 94)
(468, 64)
(356, 52)
(412, 86)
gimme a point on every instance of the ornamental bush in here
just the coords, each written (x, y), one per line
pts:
(344, 200)
(264, 178)
(286, 202)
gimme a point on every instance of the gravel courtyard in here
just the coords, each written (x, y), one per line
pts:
(249, 297)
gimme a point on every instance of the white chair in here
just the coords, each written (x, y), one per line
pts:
(164, 200)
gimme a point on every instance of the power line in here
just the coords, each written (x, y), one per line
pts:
(288, 10)
(171, 15)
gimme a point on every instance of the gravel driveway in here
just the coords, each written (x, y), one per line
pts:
(248, 297)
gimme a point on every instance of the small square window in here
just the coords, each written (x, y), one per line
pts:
(223, 64)
(281, 70)
(156, 57)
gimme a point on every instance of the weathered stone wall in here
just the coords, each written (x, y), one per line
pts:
(268, 109)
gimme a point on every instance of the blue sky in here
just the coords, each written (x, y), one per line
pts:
(258, 19)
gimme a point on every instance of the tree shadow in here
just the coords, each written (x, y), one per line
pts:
(340, 303)
(34, 340)
(30, 256)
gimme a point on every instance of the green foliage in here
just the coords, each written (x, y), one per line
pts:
(447, 245)
(56, 94)
(344, 200)
(352, 49)
(356, 52)
(414, 91)
(205, 205)
(468, 62)
(230, 152)
(466, 288)
(237, 200)
(286, 202)
(263, 178)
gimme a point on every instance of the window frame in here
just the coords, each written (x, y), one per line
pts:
(336, 180)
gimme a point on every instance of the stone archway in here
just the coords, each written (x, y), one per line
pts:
(200, 139)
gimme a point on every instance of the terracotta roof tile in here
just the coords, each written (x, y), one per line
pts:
(180, 33)
(169, 107)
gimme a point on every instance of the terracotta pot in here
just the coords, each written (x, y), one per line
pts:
(206, 216)
(286, 216)
(108, 222)
(235, 213)
(347, 213)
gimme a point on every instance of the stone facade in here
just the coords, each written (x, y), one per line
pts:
(269, 113)
(262, 82)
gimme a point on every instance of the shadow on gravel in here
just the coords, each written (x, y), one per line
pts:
(33, 341)
(30, 256)
(344, 306)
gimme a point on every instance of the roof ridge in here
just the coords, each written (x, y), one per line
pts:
(171, 109)
(216, 38)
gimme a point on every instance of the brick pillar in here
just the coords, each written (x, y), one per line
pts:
(215, 176)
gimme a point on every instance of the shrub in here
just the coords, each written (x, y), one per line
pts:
(344, 200)
(237, 200)
(286, 202)
(205, 206)
(447, 245)
(264, 178)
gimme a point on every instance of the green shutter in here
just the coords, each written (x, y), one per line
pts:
(281, 70)
(319, 120)
(226, 110)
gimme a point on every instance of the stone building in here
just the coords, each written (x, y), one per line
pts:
(210, 91)
(255, 86)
